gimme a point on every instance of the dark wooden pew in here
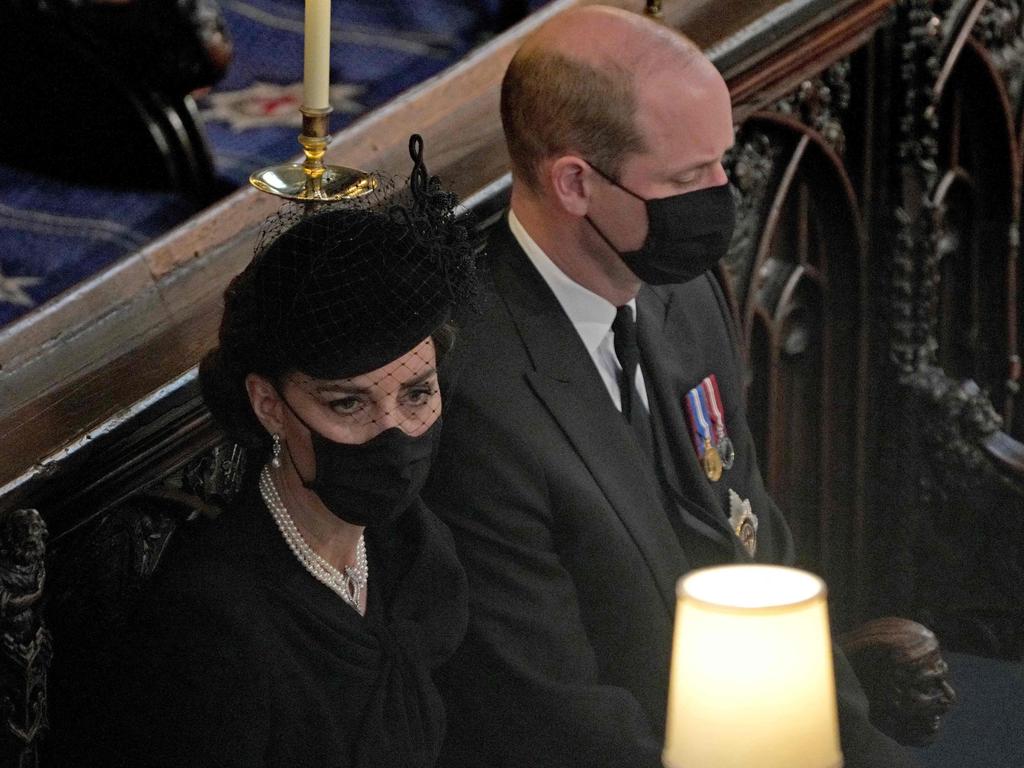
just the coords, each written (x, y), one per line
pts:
(874, 276)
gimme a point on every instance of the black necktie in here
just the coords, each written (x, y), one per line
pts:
(628, 353)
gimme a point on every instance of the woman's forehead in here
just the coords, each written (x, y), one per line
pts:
(418, 362)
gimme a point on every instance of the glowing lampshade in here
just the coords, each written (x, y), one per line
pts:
(752, 681)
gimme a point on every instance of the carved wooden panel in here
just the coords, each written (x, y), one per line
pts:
(25, 643)
(796, 276)
(977, 201)
(950, 517)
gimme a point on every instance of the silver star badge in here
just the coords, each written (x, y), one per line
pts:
(743, 522)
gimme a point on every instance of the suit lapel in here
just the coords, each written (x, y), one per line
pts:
(669, 376)
(566, 381)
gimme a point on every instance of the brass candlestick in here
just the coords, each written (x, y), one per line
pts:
(312, 181)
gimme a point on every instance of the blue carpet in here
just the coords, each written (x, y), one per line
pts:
(378, 50)
(53, 235)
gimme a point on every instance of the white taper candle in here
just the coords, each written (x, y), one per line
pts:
(317, 80)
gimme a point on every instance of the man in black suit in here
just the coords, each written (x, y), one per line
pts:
(595, 445)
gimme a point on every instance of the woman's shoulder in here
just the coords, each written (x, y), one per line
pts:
(209, 562)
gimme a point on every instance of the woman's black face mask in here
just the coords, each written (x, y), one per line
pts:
(687, 234)
(371, 483)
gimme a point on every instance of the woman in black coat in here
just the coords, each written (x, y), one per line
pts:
(301, 627)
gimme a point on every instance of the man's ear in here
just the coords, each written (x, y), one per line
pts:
(570, 179)
(266, 403)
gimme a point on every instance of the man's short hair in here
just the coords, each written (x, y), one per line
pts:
(552, 105)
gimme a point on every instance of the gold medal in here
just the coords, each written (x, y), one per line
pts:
(711, 461)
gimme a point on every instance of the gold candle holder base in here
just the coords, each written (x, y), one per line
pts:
(312, 181)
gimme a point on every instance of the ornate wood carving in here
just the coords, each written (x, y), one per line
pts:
(904, 676)
(99, 568)
(1000, 29)
(795, 275)
(751, 167)
(99, 573)
(955, 523)
(216, 476)
(821, 103)
(25, 647)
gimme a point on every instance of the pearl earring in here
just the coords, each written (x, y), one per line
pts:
(275, 460)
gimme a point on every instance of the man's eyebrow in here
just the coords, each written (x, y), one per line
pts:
(695, 167)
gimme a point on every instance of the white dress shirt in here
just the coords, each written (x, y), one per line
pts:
(591, 315)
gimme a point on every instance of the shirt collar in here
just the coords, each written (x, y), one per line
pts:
(590, 314)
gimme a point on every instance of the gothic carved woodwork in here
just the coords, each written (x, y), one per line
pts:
(99, 574)
(100, 568)
(953, 525)
(25, 646)
(795, 276)
(821, 103)
(1000, 29)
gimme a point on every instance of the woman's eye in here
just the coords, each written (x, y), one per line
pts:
(420, 395)
(346, 404)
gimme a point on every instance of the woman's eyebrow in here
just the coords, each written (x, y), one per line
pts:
(340, 387)
(419, 378)
(335, 387)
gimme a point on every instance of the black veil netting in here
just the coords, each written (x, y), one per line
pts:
(348, 287)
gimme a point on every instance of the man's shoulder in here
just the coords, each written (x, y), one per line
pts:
(486, 327)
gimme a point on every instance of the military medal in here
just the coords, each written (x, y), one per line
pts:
(715, 450)
(711, 461)
(716, 411)
(701, 426)
(743, 522)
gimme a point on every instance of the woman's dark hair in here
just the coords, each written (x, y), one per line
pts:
(339, 292)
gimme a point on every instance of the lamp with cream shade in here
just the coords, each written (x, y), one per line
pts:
(752, 682)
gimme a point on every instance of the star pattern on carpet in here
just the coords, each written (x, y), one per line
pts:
(270, 105)
(12, 290)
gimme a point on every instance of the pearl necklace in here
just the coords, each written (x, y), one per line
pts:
(349, 585)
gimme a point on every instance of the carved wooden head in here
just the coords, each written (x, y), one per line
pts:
(904, 675)
(22, 538)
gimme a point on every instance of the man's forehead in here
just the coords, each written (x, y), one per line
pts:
(691, 114)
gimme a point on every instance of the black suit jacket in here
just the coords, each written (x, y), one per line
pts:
(573, 539)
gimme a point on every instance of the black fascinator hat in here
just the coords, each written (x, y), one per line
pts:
(352, 287)
(341, 290)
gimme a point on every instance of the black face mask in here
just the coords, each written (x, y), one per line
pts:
(371, 483)
(687, 234)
